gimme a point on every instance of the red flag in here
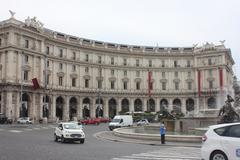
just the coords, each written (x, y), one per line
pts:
(221, 78)
(35, 83)
(199, 83)
(149, 83)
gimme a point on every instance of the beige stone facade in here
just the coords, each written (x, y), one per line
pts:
(77, 72)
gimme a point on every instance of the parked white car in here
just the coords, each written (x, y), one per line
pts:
(143, 122)
(24, 120)
(221, 142)
(70, 131)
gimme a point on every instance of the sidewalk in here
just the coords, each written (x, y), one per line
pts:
(108, 135)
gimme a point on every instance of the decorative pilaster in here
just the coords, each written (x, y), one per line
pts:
(66, 109)
(33, 107)
(106, 108)
(53, 108)
(80, 108)
(183, 106)
(119, 105)
(170, 105)
(145, 104)
(157, 103)
(93, 108)
(41, 106)
(9, 105)
(131, 108)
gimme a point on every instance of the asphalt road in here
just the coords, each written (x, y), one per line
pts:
(36, 143)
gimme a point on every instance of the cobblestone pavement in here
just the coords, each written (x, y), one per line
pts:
(171, 153)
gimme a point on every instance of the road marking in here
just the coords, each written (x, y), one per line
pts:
(36, 128)
(173, 153)
(28, 129)
(15, 131)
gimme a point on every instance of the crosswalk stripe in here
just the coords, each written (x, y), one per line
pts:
(15, 131)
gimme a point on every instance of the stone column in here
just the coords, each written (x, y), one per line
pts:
(17, 114)
(9, 108)
(53, 108)
(131, 107)
(93, 108)
(80, 108)
(33, 106)
(170, 105)
(145, 100)
(183, 106)
(40, 106)
(106, 108)
(119, 105)
(157, 104)
(66, 109)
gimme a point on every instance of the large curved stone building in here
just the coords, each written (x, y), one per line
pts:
(80, 77)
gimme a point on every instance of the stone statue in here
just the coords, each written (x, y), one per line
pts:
(12, 13)
(227, 113)
(236, 89)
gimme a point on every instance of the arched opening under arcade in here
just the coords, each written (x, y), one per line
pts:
(125, 105)
(59, 107)
(138, 107)
(72, 108)
(99, 107)
(189, 105)
(151, 105)
(25, 106)
(211, 102)
(46, 106)
(177, 105)
(163, 105)
(86, 108)
(112, 107)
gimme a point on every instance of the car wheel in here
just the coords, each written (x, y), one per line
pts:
(82, 141)
(62, 139)
(218, 155)
(55, 138)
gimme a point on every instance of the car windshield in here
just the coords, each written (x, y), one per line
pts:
(116, 120)
(71, 126)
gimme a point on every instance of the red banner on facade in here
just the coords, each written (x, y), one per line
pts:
(35, 83)
(149, 83)
(199, 83)
(221, 78)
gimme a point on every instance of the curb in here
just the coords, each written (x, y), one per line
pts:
(102, 135)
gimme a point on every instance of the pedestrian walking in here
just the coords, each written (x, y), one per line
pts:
(162, 133)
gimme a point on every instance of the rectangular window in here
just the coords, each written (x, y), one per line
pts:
(163, 63)
(112, 60)
(175, 64)
(25, 75)
(112, 72)
(48, 77)
(150, 63)
(86, 69)
(125, 73)
(47, 50)
(163, 85)
(189, 85)
(137, 73)
(189, 74)
(99, 59)
(99, 84)
(73, 68)
(124, 61)
(73, 82)
(26, 43)
(176, 85)
(60, 81)
(74, 56)
(211, 84)
(86, 83)
(125, 85)
(138, 85)
(47, 63)
(112, 84)
(209, 61)
(176, 74)
(61, 53)
(188, 63)
(25, 59)
(60, 66)
(86, 58)
(0, 45)
(137, 62)
(163, 75)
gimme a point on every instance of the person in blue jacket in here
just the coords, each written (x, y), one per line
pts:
(162, 133)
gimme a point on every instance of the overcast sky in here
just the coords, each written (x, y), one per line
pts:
(168, 23)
